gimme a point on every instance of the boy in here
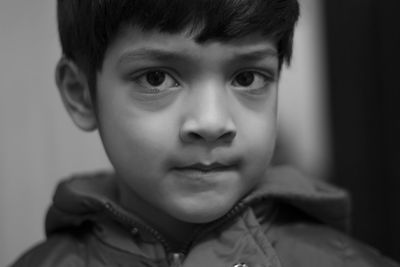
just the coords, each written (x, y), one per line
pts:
(184, 96)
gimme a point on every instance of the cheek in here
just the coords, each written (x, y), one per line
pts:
(260, 146)
(258, 126)
(136, 142)
(258, 139)
(133, 137)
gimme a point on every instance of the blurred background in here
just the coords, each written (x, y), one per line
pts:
(363, 59)
(339, 116)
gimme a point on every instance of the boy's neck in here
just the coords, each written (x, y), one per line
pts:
(177, 232)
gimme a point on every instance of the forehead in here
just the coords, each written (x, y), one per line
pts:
(135, 44)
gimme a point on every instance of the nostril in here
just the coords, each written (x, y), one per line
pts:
(228, 136)
(195, 131)
(194, 136)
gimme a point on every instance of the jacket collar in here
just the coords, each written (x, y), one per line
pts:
(95, 196)
(316, 198)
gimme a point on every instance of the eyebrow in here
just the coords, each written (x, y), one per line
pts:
(164, 55)
(153, 54)
(256, 55)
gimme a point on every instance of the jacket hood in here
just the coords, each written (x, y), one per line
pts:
(94, 197)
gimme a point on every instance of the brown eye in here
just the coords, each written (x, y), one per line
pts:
(155, 81)
(245, 78)
(155, 78)
(252, 81)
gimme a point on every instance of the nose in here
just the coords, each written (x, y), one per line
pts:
(207, 117)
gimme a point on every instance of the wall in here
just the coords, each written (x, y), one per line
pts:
(364, 56)
(303, 101)
(39, 144)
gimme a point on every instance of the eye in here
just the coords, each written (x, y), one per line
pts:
(251, 80)
(156, 81)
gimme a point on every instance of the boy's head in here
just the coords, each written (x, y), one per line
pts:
(183, 93)
(87, 28)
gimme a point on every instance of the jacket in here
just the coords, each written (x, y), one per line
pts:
(288, 221)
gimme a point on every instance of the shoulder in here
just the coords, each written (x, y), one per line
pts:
(312, 244)
(303, 225)
(59, 250)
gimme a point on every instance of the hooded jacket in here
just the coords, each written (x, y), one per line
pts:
(287, 221)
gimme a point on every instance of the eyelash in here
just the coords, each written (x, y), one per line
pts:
(152, 89)
(267, 80)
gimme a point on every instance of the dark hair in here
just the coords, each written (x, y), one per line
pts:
(87, 27)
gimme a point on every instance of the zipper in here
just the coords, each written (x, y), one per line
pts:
(129, 222)
(237, 209)
(175, 258)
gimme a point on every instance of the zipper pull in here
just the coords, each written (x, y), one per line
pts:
(176, 259)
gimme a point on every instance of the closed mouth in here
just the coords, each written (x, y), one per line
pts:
(213, 167)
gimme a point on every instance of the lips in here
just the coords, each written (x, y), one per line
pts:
(205, 168)
(203, 177)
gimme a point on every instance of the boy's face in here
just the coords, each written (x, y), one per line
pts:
(190, 128)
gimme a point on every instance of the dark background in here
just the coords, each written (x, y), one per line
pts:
(363, 44)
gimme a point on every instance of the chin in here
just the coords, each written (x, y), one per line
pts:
(203, 215)
(201, 218)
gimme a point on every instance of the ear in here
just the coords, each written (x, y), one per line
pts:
(74, 90)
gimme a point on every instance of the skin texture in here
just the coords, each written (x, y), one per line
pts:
(189, 128)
